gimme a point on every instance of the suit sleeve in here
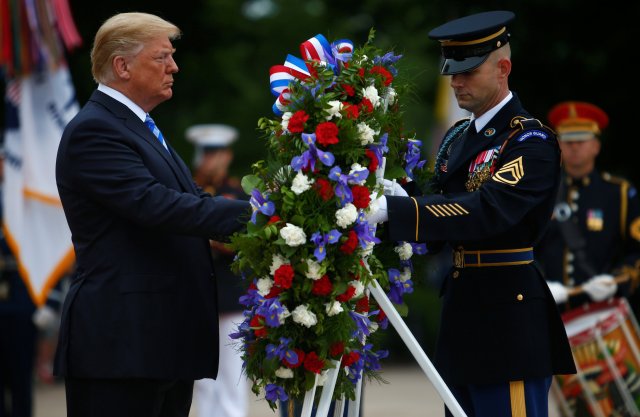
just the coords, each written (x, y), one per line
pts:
(525, 176)
(110, 170)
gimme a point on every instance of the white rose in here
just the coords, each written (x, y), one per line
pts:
(276, 262)
(293, 235)
(372, 94)
(365, 133)
(359, 286)
(301, 183)
(405, 275)
(314, 270)
(404, 251)
(285, 120)
(284, 373)
(333, 308)
(346, 215)
(334, 110)
(264, 286)
(303, 316)
(368, 250)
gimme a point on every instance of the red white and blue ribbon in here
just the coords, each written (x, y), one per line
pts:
(315, 49)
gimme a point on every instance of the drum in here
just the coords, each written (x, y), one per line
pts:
(605, 341)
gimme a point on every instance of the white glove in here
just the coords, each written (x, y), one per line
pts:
(559, 291)
(45, 318)
(377, 212)
(392, 188)
(600, 287)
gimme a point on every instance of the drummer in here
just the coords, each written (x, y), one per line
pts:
(591, 251)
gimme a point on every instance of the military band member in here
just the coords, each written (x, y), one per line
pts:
(501, 337)
(591, 251)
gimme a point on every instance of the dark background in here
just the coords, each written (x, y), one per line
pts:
(562, 50)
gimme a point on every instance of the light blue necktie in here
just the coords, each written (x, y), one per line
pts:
(152, 126)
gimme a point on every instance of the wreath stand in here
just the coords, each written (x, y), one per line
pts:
(413, 346)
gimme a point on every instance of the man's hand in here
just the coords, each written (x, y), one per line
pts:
(392, 188)
(600, 287)
(377, 212)
(559, 291)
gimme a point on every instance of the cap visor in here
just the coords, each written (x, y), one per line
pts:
(453, 66)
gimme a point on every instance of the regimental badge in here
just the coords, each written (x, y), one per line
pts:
(489, 132)
(481, 168)
(595, 220)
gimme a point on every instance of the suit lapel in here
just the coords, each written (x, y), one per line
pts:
(133, 123)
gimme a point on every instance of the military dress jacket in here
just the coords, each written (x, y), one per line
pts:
(143, 302)
(604, 212)
(495, 191)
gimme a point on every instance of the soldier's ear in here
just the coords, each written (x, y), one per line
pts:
(504, 67)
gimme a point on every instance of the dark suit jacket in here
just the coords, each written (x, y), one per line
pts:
(143, 300)
(498, 323)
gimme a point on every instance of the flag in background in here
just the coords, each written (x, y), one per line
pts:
(40, 101)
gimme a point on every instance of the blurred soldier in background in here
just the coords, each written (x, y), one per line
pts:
(226, 396)
(591, 251)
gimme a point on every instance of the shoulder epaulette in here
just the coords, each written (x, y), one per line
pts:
(613, 179)
(526, 128)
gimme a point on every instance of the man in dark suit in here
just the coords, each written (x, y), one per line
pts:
(501, 338)
(140, 321)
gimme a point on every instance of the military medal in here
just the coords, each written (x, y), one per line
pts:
(481, 168)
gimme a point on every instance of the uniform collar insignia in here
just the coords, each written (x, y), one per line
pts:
(488, 132)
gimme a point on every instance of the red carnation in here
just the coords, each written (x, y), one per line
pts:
(284, 276)
(349, 90)
(351, 111)
(361, 72)
(313, 363)
(366, 105)
(347, 295)
(257, 325)
(297, 121)
(361, 196)
(322, 286)
(350, 358)
(274, 292)
(300, 354)
(373, 160)
(386, 75)
(362, 305)
(275, 218)
(327, 133)
(350, 244)
(324, 188)
(336, 349)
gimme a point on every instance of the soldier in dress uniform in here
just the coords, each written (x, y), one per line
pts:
(501, 338)
(591, 251)
(227, 395)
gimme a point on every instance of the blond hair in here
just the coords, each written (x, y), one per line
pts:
(125, 34)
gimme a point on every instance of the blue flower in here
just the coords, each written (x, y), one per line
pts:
(412, 157)
(397, 287)
(275, 392)
(260, 203)
(282, 351)
(321, 241)
(308, 158)
(271, 309)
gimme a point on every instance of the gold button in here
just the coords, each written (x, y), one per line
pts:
(520, 297)
(456, 274)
